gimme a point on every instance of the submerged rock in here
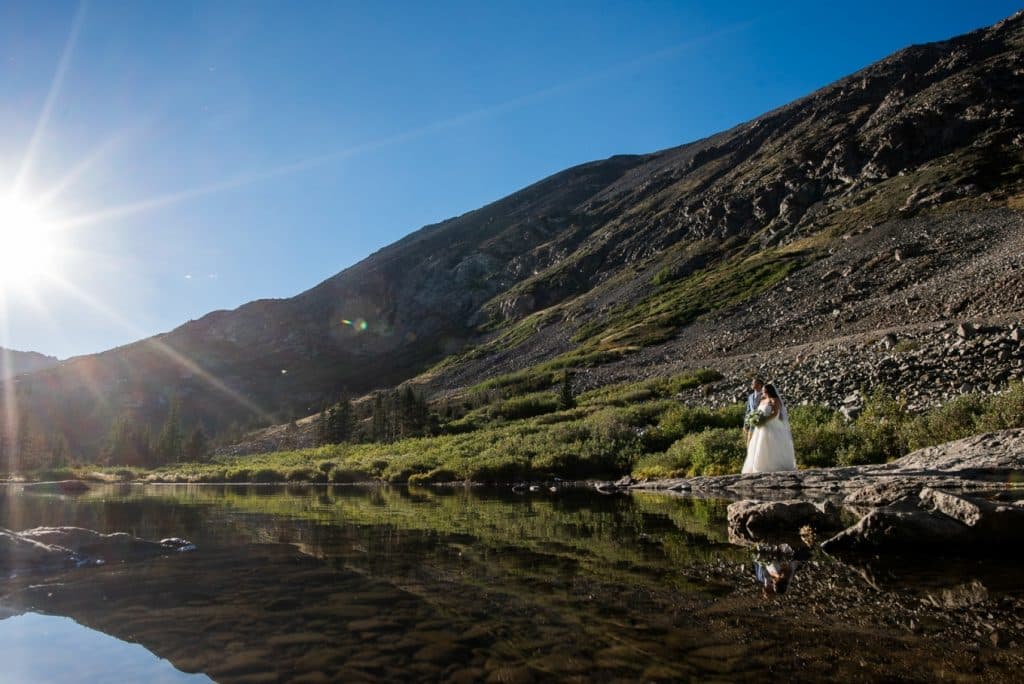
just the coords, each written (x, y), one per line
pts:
(45, 549)
(58, 487)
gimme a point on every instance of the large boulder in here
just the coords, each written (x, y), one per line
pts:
(897, 529)
(759, 519)
(936, 521)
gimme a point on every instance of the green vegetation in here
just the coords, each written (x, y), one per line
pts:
(679, 300)
(638, 428)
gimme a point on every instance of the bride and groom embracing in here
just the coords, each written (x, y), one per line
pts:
(769, 441)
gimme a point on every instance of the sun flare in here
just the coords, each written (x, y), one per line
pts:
(28, 247)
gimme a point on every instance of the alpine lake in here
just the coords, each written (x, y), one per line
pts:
(476, 584)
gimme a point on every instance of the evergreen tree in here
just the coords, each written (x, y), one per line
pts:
(59, 450)
(119, 443)
(566, 400)
(197, 447)
(380, 418)
(320, 427)
(170, 443)
(346, 421)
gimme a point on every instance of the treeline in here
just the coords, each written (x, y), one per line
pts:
(133, 444)
(27, 445)
(392, 416)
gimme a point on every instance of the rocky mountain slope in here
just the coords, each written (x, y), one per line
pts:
(889, 200)
(17, 362)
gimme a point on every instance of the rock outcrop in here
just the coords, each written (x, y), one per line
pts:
(956, 498)
(941, 522)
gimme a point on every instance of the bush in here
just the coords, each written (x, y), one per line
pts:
(611, 425)
(299, 475)
(346, 476)
(237, 475)
(718, 451)
(1005, 410)
(713, 451)
(525, 407)
(266, 475)
(679, 421)
(819, 435)
(956, 420)
(878, 433)
(435, 475)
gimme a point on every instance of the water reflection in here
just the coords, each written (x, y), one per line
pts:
(395, 584)
(775, 567)
(42, 648)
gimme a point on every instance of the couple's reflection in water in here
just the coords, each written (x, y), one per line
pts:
(775, 567)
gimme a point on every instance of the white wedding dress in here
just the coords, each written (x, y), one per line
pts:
(771, 445)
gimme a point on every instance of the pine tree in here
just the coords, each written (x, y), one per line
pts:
(380, 419)
(566, 400)
(346, 421)
(197, 446)
(169, 444)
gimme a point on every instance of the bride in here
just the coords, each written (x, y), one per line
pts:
(771, 444)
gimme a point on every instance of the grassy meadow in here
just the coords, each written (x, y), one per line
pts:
(638, 428)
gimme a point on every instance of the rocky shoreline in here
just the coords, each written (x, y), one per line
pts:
(991, 460)
(964, 497)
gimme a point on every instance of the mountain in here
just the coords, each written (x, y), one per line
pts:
(17, 362)
(890, 198)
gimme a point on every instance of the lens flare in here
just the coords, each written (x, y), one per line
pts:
(28, 246)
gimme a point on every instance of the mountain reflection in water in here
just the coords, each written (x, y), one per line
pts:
(42, 648)
(318, 584)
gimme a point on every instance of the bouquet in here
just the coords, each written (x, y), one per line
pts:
(754, 419)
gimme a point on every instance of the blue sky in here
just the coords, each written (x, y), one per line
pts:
(204, 154)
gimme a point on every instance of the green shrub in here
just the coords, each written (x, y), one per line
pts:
(955, 420)
(1005, 410)
(679, 421)
(266, 475)
(878, 433)
(55, 474)
(433, 476)
(713, 451)
(610, 425)
(718, 451)
(525, 407)
(675, 462)
(302, 475)
(819, 435)
(346, 476)
(237, 475)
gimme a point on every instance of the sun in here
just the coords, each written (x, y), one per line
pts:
(28, 246)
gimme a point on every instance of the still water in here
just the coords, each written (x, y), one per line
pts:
(319, 584)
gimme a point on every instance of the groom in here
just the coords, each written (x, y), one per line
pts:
(753, 399)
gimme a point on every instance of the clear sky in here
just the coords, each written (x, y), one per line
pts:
(193, 156)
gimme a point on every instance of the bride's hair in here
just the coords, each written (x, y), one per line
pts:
(770, 391)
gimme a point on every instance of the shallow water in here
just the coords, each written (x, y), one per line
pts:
(312, 584)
